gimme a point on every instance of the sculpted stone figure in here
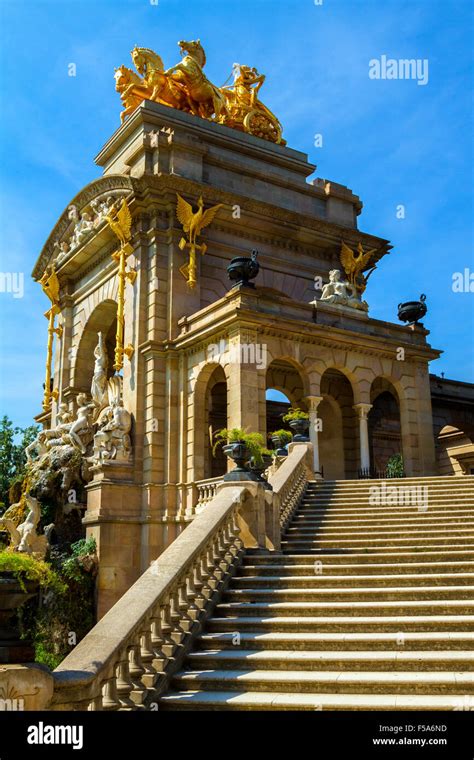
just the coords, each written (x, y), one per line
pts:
(112, 440)
(99, 378)
(24, 538)
(341, 292)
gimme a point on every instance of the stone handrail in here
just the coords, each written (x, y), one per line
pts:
(127, 659)
(290, 480)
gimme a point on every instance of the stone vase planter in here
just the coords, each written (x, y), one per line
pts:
(280, 451)
(260, 469)
(13, 649)
(239, 453)
(412, 311)
(300, 429)
(242, 269)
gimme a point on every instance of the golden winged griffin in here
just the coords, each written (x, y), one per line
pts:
(192, 224)
(356, 263)
(186, 87)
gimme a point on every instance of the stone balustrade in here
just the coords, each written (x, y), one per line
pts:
(289, 481)
(126, 660)
(206, 490)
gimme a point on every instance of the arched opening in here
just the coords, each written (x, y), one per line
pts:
(215, 414)
(338, 450)
(385, 434)
(455, 450)
(277, 405)
(285, 387)
(103, 319)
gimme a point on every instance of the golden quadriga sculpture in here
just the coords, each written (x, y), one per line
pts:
(186, 87)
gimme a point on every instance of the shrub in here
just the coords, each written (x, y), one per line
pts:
(294, 413)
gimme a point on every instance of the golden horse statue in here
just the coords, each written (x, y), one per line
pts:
(186, 87)
(207, 99)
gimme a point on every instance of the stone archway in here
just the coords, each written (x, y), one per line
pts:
(210, 413)
(215, 465)
(338, 438)
(289, 380)
(102, 319)
(384, 423)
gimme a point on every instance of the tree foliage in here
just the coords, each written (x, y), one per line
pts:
(13, 442)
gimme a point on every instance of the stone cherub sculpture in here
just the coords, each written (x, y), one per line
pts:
(342, 292)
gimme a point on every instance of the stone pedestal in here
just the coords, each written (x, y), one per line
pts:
(25, 687)
(113, 518)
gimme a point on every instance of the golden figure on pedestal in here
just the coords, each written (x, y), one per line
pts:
(356, 263)
(120, 221)
(193, 223)
(186, 87)
(50, 284)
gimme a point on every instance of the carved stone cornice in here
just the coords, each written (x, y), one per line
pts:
(330, 230)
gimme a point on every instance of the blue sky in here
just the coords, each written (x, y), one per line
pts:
(392, 142)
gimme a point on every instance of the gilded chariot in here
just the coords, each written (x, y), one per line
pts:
(186, 87)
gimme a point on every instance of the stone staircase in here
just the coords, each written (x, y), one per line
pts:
(367, 608)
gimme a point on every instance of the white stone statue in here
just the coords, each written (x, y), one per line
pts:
(64, 416)
(63, 250)
(24, 538)
(112, 440)
(341, 292)
(99, 378)
(81, 431)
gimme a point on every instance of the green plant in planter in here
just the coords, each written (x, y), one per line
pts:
(284, 436)
(395, 467)
(295, 413)
(24, 567)
(253, 441)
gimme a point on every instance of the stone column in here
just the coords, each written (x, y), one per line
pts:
(363, 410)
(313, 403)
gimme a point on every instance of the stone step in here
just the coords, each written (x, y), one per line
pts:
(354, 608)
(420, 532)
(301, 681)
(386, 521)
(345, 594)
(241, 700)
(364, 510)
(329, 567)
(392, 660)
(361, 623)
(374, 543)
(361, 558)
(408, 641)
(326, 579)
(410, 528)
(316, 549)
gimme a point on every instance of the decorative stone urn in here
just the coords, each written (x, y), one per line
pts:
(242, 269)
(300, 429)
(13, 649)
(260, 469)
(412, 311)
(280, 451)
(239, 453)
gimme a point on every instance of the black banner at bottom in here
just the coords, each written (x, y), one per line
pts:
(128, 734)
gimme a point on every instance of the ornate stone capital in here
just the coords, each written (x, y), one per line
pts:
(362, 410)
(313, 402)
